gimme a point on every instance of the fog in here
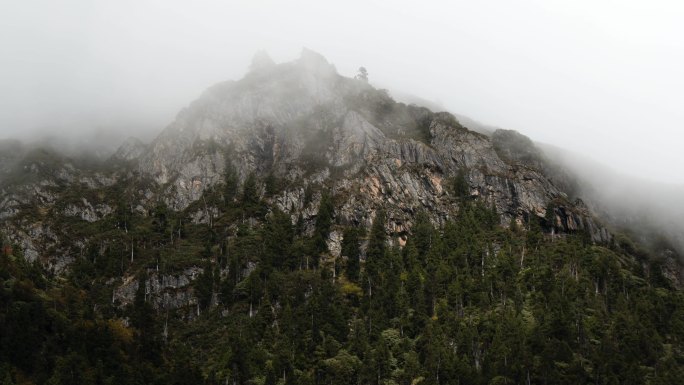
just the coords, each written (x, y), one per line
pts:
(602, 78)
(650, 212)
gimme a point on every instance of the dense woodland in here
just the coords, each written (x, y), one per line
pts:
(468, 303)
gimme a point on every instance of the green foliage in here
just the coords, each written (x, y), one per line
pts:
(50, 335)
(272, 184)
(278, 236)
(375, 253)
(204, 286)
(231, 182)
(470, 302)
(250, 191)
(324, 219)
(251, 204)
(460, 186)
(351, 248)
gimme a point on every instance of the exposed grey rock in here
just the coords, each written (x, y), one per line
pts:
(204, 215)
(669, 267)
(131, 149)
(261, 62)
(99, 180)
(290, 201)
(34, 238)
(9, 206)
(163, 291)
(248, 269)
(87, 212)
(334, 243)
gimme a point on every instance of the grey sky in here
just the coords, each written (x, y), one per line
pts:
(602, 78)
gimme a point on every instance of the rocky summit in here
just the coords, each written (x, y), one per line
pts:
(308, 126)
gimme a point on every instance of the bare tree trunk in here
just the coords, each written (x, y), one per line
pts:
(522, 256)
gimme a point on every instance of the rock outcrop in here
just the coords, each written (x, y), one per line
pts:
(162, 291)
(131, 149)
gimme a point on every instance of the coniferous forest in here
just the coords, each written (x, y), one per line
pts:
(468, 302)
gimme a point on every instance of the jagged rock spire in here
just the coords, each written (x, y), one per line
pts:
(315, 62)
(261, 61)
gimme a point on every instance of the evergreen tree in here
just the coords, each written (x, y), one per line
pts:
(375, 253)
(250, 195)
(423, 235)
(278, 235)
(460, 185)
(231, 181)
(323, 223)
(351, 250)
(204, 286)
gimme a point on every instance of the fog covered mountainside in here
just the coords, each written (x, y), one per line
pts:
(650, 212)
(279, 119)
(304, 125)
(297, 226)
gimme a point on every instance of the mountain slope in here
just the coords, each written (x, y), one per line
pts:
(298, 129)
(649, 212)
(297, 226)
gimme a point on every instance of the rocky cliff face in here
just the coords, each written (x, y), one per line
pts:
(303, 122)
(162, 291)
(310, 129)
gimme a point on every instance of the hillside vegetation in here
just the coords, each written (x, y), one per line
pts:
(470, 302)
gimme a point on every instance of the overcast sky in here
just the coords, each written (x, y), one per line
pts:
(602, 78)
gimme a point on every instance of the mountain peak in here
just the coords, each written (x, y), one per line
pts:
(303, 123)
(261, 61)
(315, 62)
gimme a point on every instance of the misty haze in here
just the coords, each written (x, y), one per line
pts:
(354, 193)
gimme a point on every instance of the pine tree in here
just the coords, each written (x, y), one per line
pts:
(323, 223)
(278, 235)
(460, 185)
(204, 286)
(423, 235)
(375, 253)
(231, 180)
(250, 192)
(351, 250)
